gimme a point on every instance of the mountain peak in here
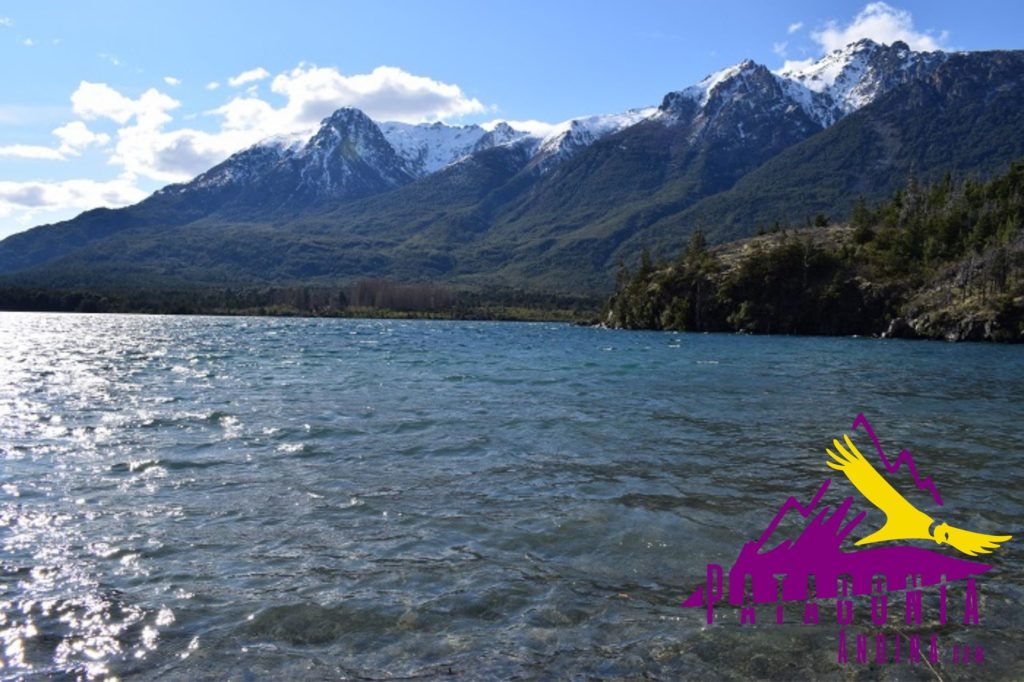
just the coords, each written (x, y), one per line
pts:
(346, 118)
(701, 92)
(570, 136)
(429, 147)
(851, 77)
(742, 148)
(345, 112)
(504, 128)
(867, 43)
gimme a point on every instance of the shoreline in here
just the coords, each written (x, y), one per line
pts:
(533, 316)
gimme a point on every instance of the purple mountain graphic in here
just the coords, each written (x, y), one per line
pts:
(816, 552)
(903, 458)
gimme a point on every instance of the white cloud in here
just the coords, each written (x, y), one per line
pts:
(795, 65)
(6, 22)
(212, 85)
(31, 202)
(145, 144)
(794, 27)
(386, 94)
(76, 136)
(146, 147)
(99, 100)
(780, 48)
(882, 23)
(79, 193)
(176, 156)
(250, 76)
(251, 113)
(171, 80)
(109, 58)
(28, 42)
(31, 151)
(312, 93)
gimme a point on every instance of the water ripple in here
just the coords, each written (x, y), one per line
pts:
(237, 498)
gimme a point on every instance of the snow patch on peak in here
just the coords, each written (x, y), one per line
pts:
(501, 134)
(530, 128)
(250, 163)
(287, 142)
(429, 147)
(853, 76)
(345, 115)
(568, 136)
(826, 89)
(839, 67)
(702, 91)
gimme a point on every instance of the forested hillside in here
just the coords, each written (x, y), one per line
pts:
(939, 260)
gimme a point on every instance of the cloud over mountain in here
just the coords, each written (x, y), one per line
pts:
(882, 23)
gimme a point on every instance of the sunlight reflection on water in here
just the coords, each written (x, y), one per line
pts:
(320, 498)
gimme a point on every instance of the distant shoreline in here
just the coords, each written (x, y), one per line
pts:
(491, 315)
(377, 299)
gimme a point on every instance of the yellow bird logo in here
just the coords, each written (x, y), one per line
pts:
(903, 521)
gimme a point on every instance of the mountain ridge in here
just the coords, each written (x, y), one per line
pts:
(553, 211)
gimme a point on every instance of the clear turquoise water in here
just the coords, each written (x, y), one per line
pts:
(191, 497)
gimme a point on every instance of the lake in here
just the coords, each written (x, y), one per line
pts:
(202, 497)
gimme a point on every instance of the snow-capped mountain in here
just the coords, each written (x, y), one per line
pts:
(347, 157)
(742, 148)
(744, 102)
(429, 147)
(846, 80)
(570, 136)
(351, 156)
(826, 90)
(739, 116)
(248, 165)
(735, 81)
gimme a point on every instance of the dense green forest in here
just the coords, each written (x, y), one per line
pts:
(939, 260)
(942, 260)
(364, 298)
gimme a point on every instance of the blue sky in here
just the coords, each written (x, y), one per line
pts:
(103, 102)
